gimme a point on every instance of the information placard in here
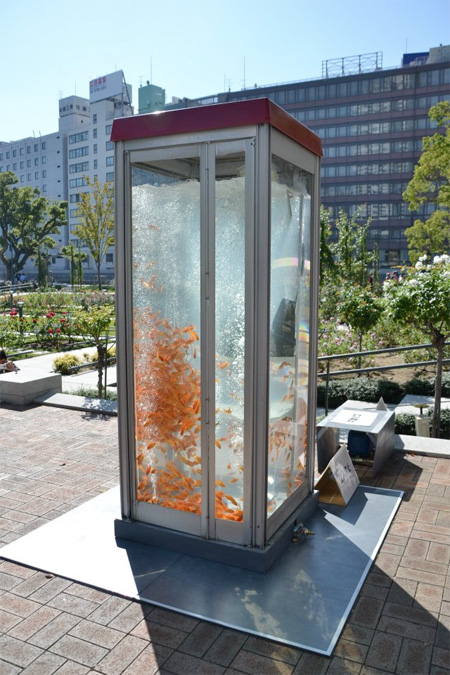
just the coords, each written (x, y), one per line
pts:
(339, 481)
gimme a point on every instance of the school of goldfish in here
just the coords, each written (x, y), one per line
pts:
(168, 425)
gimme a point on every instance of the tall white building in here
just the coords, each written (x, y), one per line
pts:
(57, 163)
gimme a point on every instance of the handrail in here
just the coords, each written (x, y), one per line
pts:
(372, 369)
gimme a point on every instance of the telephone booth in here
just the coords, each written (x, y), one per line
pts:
(217, 230)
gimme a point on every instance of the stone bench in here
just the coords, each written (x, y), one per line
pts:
(24, 386)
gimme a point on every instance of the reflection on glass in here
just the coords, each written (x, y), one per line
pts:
(230, 335)
(166, 320)
(289, 318)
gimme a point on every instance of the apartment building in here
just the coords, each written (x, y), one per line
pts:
(58, 163)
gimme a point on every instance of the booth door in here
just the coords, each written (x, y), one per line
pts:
(189, 209)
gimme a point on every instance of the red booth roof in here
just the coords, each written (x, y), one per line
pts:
(218, 116)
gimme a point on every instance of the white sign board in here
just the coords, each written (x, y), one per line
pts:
(105, 86)
(360, 418)
(339, 480)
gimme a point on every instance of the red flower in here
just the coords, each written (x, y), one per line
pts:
(50, 330)
(58, 330)
(62, 320)
(34, 320)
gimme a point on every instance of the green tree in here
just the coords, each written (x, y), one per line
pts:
(93, 323)
(76, 257)
(430, 184)
(96, 227)
(422, 300)
(26, 222)
(361, 309)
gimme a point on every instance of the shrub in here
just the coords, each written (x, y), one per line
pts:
(405, 423)
(63, 364)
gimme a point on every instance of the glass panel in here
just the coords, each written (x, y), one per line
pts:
(230, 335)
(166, 320)
(289, 321)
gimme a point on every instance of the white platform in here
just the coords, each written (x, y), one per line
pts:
(24, 386)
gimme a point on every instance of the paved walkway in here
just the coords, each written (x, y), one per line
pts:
(52, 460)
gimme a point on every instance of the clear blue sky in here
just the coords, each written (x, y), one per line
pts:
(53, 48)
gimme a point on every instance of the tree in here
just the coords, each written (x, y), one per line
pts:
(361, 309)
(93, 324)
(422, 300)
(96, 227)
(430, 184)
(76, 258)
(26, 222)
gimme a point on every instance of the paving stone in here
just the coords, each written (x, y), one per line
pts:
(417, 548)
(163, 635)
(184, 664)
(174, 619)
(439, 553)
(402, 592)
(78, 650)
(358, 634)
(350, 650)
(200, 639)
(367, 612)
(17, 605)
(311, 664)
(104, 636)
(122, 655)
(384, 651)
(17, 652)
(9, 668)
(47, 664)
(33, 623)
(73, 605)
(273, 650)
(441, 657)
(108, 610)
(415, 658)
(54, 630)
(340, 666)
(429, 597)
(130, 617)
(149, 661)
(225, 647)
(255, 664)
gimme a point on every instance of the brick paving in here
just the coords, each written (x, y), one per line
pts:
(53, 460)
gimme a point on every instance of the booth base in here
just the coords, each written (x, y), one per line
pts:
(303, 600)
(256, 559)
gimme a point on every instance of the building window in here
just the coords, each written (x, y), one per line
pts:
(36, 161)
(36, 175)
(95, 164)
(15, 166)
(22, 164)
(95, 148)
(7, 155)
(94, 118)
(77, 168)
(28, 149)
(28, 162)
(77, 182)
(110, 161)
(44, 174)
(109, 145)
(44, 188)
(35, 147)
(110, 177)
(28, 176)
(21, 151)
(108, 129)
(79, 152)
(78, 138)
(44, 145)
(110, 257)
(94, 133)
(44, 159)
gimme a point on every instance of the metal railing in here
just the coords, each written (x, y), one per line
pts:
(352, 371)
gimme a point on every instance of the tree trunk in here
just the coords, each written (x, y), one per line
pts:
(100, 365)
(99, 276)
(439, 344)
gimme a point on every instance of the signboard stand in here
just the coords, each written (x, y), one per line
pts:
(339, 481)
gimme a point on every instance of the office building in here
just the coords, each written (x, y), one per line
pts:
(371, 121)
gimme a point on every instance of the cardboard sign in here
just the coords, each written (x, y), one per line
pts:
(360, 418)
(339, 480)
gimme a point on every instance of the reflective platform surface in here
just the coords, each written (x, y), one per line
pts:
(303, 601)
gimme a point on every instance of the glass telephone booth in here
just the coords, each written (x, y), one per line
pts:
(217, 230)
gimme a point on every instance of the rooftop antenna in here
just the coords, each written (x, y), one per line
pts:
(244, 75)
